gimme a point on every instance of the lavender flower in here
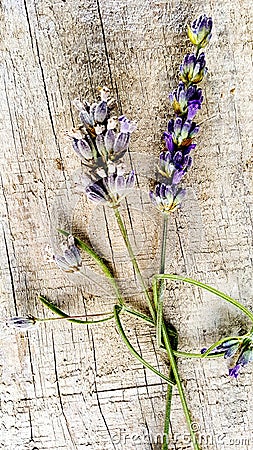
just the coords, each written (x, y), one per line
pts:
(71, 260)
(200, 31)
(167, 198)
(82, 144)
(245, 356)
(21, 323)
(193, 69)
(241, 345)
(111, 189)
(110, 145)
(186, 101)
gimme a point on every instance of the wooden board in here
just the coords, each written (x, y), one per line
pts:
(66, 386)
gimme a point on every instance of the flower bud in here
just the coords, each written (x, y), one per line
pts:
(200, 31)
(21, 323)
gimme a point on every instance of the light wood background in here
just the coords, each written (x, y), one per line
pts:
(66, 386)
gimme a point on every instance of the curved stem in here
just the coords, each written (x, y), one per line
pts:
(99, 261)
(65, 316)
(207, 288)
(160, 297)
(135, 264)
(132, 350)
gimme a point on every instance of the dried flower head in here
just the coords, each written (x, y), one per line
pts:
(111, 189)
(71, 260)
(21, 323)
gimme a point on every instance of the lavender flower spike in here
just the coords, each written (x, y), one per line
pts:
(200, 31)
(245, 357)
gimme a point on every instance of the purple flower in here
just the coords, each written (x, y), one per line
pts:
(245, 357)
(21, 323)
(111, 189)
(173, 165)
(234, 372)
(167, 198)
(182, 132)
(122, 140)
(71, 260)
(193, 69)
(82, 144)
(200, 31)
(186, 101)
(228, 348)
(241, 345)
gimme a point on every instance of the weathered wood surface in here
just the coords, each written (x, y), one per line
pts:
(66, 386)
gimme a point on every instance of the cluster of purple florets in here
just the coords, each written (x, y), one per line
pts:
(100, 146)
(186, 100)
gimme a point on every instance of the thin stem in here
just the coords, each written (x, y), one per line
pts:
(174, 368)
(179, 386)
(159, 305)
(164, 330)
(196, 355)
(135, 264)
(132, 350)
(65, 316)
(159, 324)
(145, 318)
(207, 288)
(99, 261)
(166, 427)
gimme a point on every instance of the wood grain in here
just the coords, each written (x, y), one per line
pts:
(65, 386)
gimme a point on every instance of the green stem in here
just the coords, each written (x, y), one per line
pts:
(166, 426)
(207, 288)
(132, 350)
(159, 323)
(65, 316)
(174, 368)
(195, 355)
(135, 264)
(99, 261)
(164, 330)
(179, 386)
(160, 298)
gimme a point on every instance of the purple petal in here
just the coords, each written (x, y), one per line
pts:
(95, 197)
(177, 176)
(62, 263)
(192, 110)
(130, 180)
(234, 372)
(121, 142)
(120, 184)
(168, 141)
(100, 112)
(110, 137)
